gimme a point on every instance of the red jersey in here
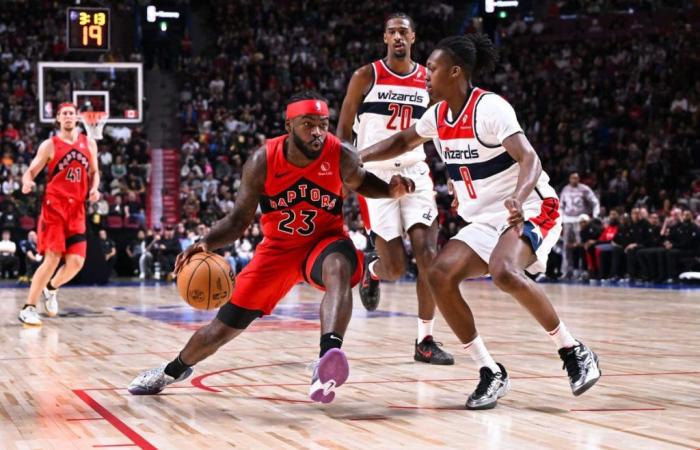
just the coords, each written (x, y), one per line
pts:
(302, 204)
(69, 169)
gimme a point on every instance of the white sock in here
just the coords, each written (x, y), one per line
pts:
(477, 350)
(425, 328)
(561, 336)
(370, 267)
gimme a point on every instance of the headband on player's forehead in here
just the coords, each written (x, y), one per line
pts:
(307, 107)
(65, 105)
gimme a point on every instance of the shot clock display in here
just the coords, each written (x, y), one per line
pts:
(88, 28)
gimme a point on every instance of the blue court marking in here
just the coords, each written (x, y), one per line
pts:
(177, 314)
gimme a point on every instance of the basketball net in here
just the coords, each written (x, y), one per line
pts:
(94, 122)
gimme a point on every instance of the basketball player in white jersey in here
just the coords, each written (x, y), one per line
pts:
(385, 97)
(504, 195)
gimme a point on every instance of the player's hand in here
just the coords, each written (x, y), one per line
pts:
(515, 211)
(400, 186)
(27, 186)
(453, 193)
(184, 257)
(94, 196)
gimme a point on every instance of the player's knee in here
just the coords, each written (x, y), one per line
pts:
(75, 262)
(232, 319)
(439, 276)
(52, 258)
(337, 271)
(394, 267)
(425, 257)
(506, 276)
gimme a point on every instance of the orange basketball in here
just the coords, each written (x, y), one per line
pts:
(206, 281)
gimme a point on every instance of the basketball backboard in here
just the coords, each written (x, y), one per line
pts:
(115, 88)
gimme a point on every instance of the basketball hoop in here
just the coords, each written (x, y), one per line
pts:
(94, 122)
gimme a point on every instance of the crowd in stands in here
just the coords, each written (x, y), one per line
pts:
(617, 105)
(32, 32)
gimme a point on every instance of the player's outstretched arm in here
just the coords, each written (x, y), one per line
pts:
(357, 88)
(366, 183)
(43, 155)
(234, 224)
(393, 146)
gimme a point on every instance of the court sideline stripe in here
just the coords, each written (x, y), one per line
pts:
(136, 438)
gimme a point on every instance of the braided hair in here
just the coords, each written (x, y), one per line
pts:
(474, 53)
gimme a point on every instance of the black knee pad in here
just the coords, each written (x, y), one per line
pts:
(343, 246)
(236, 317)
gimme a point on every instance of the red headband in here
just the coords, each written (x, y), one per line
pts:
(65, 105)
(307, 107)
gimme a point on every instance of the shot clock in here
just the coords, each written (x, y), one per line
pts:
(88, 28)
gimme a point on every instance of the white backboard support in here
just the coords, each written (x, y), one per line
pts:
(84, 98)
(119, 86)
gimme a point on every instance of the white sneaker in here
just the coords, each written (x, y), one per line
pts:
(153, 381)
(29, 316)
(51, 302)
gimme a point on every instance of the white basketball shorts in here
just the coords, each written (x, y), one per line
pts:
(389, 218)
(542, 230)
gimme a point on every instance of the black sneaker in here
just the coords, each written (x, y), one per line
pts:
(491, 387)
(429, 351)
(369, 287)
(582, 366)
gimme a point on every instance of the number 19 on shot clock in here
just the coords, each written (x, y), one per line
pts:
(88, 28)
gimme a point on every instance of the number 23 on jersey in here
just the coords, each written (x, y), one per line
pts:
(307, 227)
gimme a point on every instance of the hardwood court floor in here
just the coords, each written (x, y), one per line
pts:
(63, 385)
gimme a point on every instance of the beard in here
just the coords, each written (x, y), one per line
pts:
(304, 148)
(400, 54)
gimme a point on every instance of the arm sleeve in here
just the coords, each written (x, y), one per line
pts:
(427, 125)
(496, 119)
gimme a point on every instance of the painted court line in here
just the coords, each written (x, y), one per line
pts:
(123, 428)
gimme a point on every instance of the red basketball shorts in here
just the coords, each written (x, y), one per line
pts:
(62, 226)
(274, 270)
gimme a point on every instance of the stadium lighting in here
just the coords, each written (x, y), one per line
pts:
(491, 5)
(152, 14)
(163, 26)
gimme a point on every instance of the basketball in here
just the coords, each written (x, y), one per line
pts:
(206, 281)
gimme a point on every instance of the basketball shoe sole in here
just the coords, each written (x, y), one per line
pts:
(331, 372)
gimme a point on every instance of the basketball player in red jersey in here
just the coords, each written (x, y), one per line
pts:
(297, 179)
(382, 98)
(73, 176)
(506, 198)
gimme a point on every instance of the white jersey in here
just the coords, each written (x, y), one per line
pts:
(394, 103)
(483, 172)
